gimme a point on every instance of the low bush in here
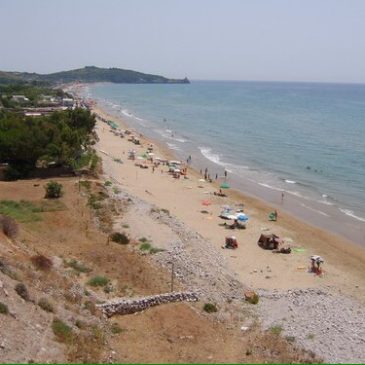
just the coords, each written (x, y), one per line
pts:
(4, 308)
(53, 190)
(62, 331)
(46, 305)
(8, 226)
(108, 183)
(98, 281)
(78, 266)
(120, 238)
(22, 291)
(115, 328)
(276, 330)
(41, 262)
(210, 308)
(145, 246)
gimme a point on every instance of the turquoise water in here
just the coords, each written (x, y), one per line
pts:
(305, 139)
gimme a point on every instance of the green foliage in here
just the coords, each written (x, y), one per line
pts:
(210, 308)
(4, 308)
(25, 211)
(62, 331)
(143, 240)
(90, 74)
(154, 250)
(46, 305)
(276, 330)
(120, 238)
(116, 329)
(53, 190)
(78, 266)
(108, 183)
(145, 246)
(98, 281)
(60, 137)
(33, 92)
(94, 200)
(85, 184)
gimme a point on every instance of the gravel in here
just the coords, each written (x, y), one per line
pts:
(330, 324)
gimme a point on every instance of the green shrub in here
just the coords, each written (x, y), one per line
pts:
(210, 308)
(154, 250)
(145, 246)
(125, 225)
(115, 328)
(4, 308)
(108, 183)
(78, 266)
(62, 331)
(253, 298)
(98, 281)
(143, 240)
(45, 305)
(276, 330)
(85, 184)
(120, 238)
(53, 190)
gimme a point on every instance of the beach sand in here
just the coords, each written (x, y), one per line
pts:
(344, 265)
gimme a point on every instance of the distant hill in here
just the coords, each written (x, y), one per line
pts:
(89, 74)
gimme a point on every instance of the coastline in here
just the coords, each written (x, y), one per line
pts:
(340, 254)
(291, 297)
(303, 197)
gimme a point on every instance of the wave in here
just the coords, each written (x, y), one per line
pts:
(127, 113)
(351, 214)
(290, 181)
(173, 146)
(207, 153)
(270, 187)
(315, 210)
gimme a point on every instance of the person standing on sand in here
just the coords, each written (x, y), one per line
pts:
(216, 176)
(225, 174)
(282, 197)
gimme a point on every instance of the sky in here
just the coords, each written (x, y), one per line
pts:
(274, 40)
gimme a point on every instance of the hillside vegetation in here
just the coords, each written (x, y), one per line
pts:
(89, 74)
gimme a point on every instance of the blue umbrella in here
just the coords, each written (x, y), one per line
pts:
(242, 217)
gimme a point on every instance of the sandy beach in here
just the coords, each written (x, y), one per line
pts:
(249, 266)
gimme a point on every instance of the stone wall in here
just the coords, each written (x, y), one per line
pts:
(128, 306)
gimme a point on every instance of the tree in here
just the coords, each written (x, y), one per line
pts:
(53, 190)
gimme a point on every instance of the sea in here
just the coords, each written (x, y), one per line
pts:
(306, 140)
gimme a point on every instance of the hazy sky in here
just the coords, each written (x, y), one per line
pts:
(310, 40)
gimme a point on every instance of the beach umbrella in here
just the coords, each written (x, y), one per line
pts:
(242, 217)
(206, 202)
(224, 186)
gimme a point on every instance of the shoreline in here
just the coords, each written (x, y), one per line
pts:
(317, 241)
(333, 217)
(291, 297)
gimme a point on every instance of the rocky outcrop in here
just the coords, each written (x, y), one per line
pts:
(129, 306)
